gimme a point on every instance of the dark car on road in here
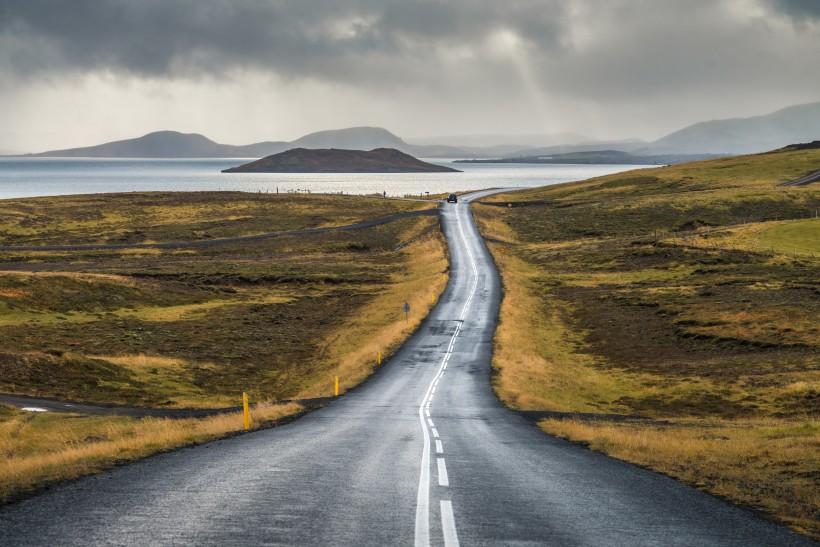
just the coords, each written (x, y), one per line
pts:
(452, 198)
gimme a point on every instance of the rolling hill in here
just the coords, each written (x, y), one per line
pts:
(168, 144)
(799, 123)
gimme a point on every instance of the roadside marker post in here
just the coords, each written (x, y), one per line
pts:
(406, 312)
(245, 411)
(336, 387)
(379, 358)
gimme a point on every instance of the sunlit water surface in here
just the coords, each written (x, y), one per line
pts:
(28, 177)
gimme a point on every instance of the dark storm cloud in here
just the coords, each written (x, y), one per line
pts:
(617, 67)
(585, 48)
(798, 9)
(313, 38)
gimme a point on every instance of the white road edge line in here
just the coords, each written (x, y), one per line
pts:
(448, 524)
(443, 479)
(422, 536)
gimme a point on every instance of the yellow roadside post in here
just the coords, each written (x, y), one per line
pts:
(336, 387)
(379, 358)
(245, 411)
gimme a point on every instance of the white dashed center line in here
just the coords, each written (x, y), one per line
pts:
(422, 536)
(443, 480)
(448, 524)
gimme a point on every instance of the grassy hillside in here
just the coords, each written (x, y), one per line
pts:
(686, 295)
(157, 217)
(277, 318)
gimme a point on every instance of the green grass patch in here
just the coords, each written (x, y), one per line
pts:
(794, 237)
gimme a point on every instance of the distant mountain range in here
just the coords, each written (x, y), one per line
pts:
(794, 124)
(600, 157)
(519, 142)
(334, 160)
(169, 144)
(790, 125)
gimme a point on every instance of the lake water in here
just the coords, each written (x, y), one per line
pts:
(29, 177)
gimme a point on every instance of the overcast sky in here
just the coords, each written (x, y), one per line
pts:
(83, 72)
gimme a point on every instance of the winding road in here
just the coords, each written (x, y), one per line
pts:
(803, 181)
(422, 453)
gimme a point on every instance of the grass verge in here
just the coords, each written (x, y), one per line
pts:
(764, 464)
(41, 449)
(687, 294)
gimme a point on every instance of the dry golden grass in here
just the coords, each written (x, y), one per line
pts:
(142, 361)
(41, 449)
(761, 464)
(119, 279)
(538, 359)
(380, 327)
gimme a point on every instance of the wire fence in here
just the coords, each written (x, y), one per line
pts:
(705, 237)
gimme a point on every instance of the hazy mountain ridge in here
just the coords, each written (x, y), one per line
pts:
(334, 160)
(600, 157)
(168, 144)
(800, 123)
(172, 144)
(354, 138)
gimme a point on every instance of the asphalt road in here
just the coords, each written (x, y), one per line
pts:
(420, 454)
(803, 181)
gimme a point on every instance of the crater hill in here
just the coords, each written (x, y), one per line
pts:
(333, 160)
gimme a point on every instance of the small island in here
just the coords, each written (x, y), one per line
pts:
(333, 160)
